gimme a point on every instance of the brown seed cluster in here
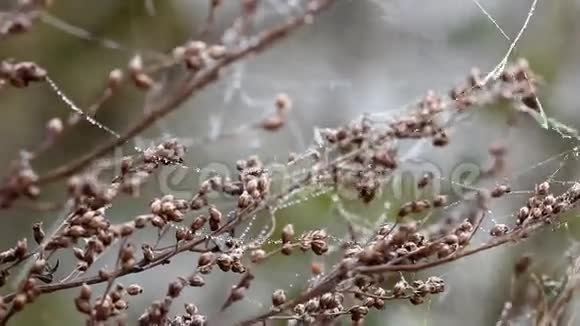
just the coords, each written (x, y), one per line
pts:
(20, 74)
(364, 153)
(14, 254)
(420, 206)
(192, 317)
(544, 205)
(20, 182)
(112, 305)
(21, 18)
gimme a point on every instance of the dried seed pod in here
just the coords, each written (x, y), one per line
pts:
(205, 259)
(224, 262)
(141, 221)
(83, 306)
(444, 251)
(500, 190)
(542, 188)
(38, 232)
(198, 223)
(451, 239)
(523, 214)
(85, 292)
(191, 309)
(196, 281)
(549, 200)
(121, 305)
(198, 202)
(424, 181)
(215, 215)
(174, 289)
(319, 247)
(498, 230)
(180, 233)
(21, 249)
(134, 289)
(198, 320)
(245, 200)
(278, 297)
(440, 139)
(287, 249)
(440, 201)
(299, 309)
(287, 233)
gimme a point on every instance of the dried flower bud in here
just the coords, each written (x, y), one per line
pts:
(245, 200)
(287, 233)
(115, 79)
(278, 297)
(319, 247)
(542, 188)
(444, 251)
(205, 259)
(83, 306)
(134, 289)
(500, 191)
(287, 249)
(38, 232)
(440, 139)
(121, 305)
(215, 215)
(196, 281)
(148, 253)
(198, 223)
(197, 203)
(198, 320)
(440, 201)
(299, 309)
(21, 249)
(141, 221)
(224, 262)
(38, 266)
(498, 230)
(85, 292)
(174, 289)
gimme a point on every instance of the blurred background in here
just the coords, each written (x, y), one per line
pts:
(361, 57)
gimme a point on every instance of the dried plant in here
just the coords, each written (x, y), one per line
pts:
(364, 272)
